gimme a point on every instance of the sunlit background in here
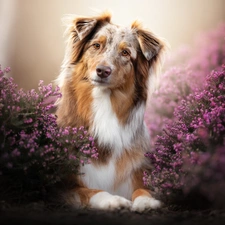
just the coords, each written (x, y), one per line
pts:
(31, 32)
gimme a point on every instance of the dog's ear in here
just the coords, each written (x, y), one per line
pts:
(84, 26)
(80, 27)
(150, 45)
(153, 49)
(78, 32)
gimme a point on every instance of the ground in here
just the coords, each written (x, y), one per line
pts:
(37, 214)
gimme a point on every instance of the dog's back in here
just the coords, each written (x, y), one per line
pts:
(104, 83)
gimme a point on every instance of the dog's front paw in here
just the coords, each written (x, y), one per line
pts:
(106, 201)
(144, 203)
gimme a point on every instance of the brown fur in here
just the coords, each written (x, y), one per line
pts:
(85, 194)
(122, 100)
(140, 192)
(72, 104)
(128, 161)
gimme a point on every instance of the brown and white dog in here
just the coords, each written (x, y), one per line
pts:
(104, 83)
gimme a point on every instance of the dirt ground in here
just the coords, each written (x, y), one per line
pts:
(38, 214)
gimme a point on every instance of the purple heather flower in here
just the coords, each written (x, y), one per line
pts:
(31, 138)
(186, 119)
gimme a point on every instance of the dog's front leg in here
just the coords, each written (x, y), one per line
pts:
(98, 199)
(142, 201)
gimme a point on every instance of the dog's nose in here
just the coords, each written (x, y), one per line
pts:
(103, 71)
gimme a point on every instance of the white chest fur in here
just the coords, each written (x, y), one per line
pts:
(106, 127)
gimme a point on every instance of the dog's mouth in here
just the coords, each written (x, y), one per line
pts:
(98, 82)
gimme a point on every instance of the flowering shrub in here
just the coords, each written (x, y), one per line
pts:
(34, 151)
(191, 152)
(186, 118)
(186, 70)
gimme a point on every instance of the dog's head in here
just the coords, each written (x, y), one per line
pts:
(111, 54)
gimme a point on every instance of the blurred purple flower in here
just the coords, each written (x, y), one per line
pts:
(186, 119)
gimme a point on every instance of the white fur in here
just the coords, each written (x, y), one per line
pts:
(106, 126)
(99, 177)
(102, 177)
(106, 201)
(143, 203)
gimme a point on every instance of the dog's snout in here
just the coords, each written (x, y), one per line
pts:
(103, 71)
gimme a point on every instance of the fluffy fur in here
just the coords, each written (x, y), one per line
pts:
(105, 80)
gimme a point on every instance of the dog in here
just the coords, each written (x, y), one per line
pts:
(105, 79)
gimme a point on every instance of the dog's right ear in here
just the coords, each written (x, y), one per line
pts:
(84, 26)
(77, 28)
(78, 31)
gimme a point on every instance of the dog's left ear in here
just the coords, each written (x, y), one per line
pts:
(153, 49)
(150, 45)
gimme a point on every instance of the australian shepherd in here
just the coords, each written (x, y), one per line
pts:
(105, 79)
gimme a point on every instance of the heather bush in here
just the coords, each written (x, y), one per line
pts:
(190, 154)
(34, 152)
(186, 119)
(186, 70)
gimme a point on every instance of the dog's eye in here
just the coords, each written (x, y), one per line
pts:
(125, 53)
(96, 46)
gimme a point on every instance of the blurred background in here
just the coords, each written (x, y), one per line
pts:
(31, 31)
